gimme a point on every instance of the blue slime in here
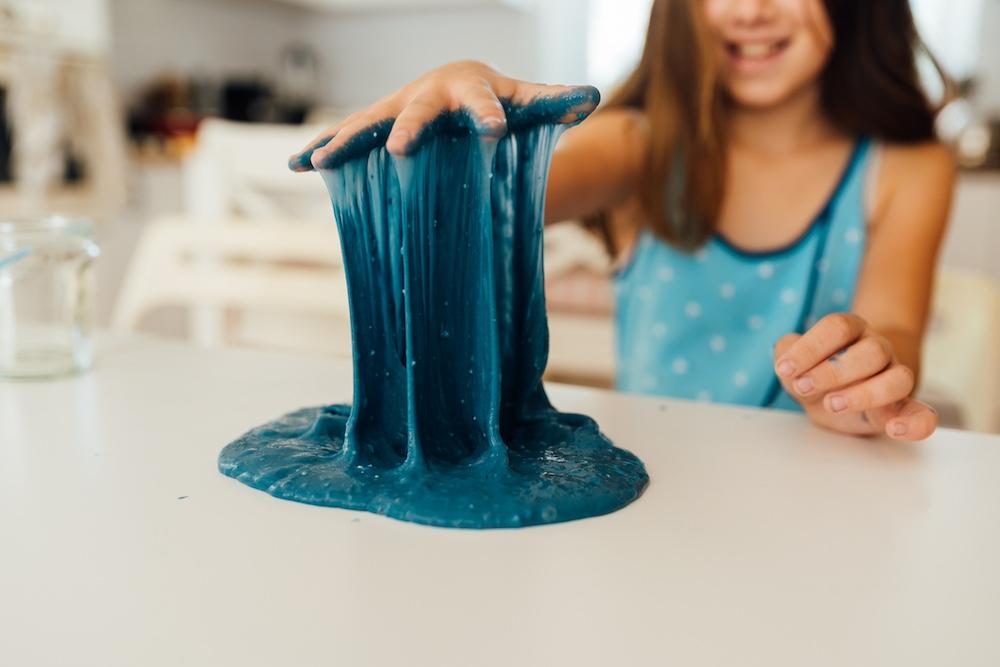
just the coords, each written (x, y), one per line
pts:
(450, 424)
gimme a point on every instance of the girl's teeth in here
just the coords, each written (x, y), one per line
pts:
(755, 50)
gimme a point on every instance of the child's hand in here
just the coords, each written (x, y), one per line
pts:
(467, 85)
(848, 379)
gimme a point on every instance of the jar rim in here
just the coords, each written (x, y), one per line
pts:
(48, 223)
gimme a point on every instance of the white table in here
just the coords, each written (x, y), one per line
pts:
(760, 541)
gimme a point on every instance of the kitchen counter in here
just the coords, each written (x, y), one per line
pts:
(761, 540)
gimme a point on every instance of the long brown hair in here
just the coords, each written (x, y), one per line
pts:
(869, 87)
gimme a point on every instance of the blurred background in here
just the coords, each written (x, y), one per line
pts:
(168, 123)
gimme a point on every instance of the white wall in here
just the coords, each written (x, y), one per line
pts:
(370, 53)
(151, 37)
(364, 53)
(561, 34)
(616, 35)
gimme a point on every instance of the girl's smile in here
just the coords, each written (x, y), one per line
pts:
(753, 56)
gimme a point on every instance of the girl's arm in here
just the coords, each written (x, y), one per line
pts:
(894, 288)
(855, 372)
(595, 165)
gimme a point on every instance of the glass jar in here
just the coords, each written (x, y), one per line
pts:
(46, 296)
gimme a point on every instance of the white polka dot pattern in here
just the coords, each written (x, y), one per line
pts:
(708, 335)
(692, 309)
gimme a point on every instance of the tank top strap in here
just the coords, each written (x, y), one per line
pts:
(852, 180)
(840, 239)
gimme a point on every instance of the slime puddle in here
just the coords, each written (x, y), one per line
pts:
(450, 425)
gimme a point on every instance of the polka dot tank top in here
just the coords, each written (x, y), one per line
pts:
(702, 326)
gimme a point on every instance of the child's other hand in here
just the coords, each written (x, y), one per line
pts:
(468, 85)
(848, 379)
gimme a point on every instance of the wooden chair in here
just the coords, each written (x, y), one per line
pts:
(961, 359)
(287, 276)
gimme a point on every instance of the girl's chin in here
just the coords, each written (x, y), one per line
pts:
(760, 96)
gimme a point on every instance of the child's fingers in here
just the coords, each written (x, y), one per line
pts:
(415, 116)
(486, 111)
(832, 333)
(913, 420)
(477, 100)
(784, 344)
(370, 127)
(400, 128)
(867, 357)
(889, 386)
(302, 161)
(880, 403)
(540, 103)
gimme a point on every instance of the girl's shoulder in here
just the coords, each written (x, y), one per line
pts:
(912, 173)
(923, 158)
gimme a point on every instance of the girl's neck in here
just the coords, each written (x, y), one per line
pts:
(793, 125)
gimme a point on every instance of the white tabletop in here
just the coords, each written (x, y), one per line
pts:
(760, 540)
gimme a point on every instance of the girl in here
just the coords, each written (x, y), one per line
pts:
(769, 185)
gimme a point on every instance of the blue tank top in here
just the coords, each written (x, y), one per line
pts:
(703, 326)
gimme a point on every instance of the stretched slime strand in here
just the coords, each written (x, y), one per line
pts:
(450, 424)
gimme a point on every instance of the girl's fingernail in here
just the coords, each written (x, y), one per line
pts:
(804, 385)
(898, 429)
(786, 368)
(838, 403)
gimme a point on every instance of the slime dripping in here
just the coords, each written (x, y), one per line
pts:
(450, 425)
